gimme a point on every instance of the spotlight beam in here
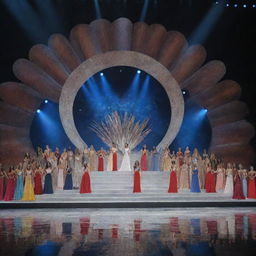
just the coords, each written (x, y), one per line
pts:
(144, 11)
(97, 9)
(207, 24)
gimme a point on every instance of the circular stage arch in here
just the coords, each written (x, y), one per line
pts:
(49, 66)
(120, 58)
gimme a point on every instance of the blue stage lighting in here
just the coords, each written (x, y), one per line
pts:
(254, 6)
(235, 5)
(227, 5)
(138, 71)
(244, 5)
(216, 2)
(101, 74)
(183, 92)
(38, 111)
(205, 110)
(45, 101)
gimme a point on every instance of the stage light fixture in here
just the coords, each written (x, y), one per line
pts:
(45, 101)
(101, 74)
(138, 71)
(235, 5)
(216, 2)
(244, 5)
(254, 6)
(38, 111)
(183, 92)
(227, 5)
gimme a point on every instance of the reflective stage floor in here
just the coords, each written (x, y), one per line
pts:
(151, 231)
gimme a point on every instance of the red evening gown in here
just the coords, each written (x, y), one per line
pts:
(38, 189)
(114, 168)
(210, 183)
(238, 188)
(144, 162)
(85, 186)
(173, 187)
(100, 163)
(136, 182)
(10, 189)
(1, 188)
(251, 188)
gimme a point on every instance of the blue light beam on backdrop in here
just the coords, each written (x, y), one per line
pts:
(201, 33)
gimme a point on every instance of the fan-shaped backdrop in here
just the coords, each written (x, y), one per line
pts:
(50, 67)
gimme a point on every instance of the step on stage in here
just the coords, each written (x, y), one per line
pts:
(114, 190)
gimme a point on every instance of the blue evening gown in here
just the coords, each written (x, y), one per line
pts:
(195, 182)
(154, 164)
(48, 184)
(19, 188)
(68, 181)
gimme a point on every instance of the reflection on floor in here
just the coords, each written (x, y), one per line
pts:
(201, 231)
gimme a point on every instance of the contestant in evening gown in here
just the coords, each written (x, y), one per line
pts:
(195, 187)
(166, 162)
(136, 178)
(210, 185)
(19, 184)
(92, 159)
(101, 154)
(85, 186)
(245, 182)
(48, 188)
(173, 183)
(238, 187)
(10, 188)
(77, 171)
(220, 179)
(2, 177)
(38, 182)
(144, 159)
(251, 183)
(126, 165)
(61, 167)
(28, 194)
(229, 186)
(154, 163)
(112, 158)
(68, 181)
(184, 176)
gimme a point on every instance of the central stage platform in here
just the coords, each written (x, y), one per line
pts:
(114, 190)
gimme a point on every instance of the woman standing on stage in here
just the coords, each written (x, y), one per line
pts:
(251, 183)
(195, 188)
(2, 177)
(68, 181)
(77, 171)
(154, 166)
(38, 181)
(238, 187)
(144, 158)
(126, 162)
(184, 176)
(85, 186)
(19, 183)
(10, 188)
(173, 184)
(61, 167)
(220, 178)
(136, 177)
(211, 181)
(28, 194)
(92, 159)
(114, 157)
(48, 188)
(166, 163)
(229, 186)
(101, 153)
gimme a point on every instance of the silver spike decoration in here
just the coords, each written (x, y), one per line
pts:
(120, 130)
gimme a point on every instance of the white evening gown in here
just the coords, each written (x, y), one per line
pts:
(126, 165)
(229, 185)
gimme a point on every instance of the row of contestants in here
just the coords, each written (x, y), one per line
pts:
(238, 183)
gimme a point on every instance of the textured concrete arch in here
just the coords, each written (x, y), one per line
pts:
(100, 62)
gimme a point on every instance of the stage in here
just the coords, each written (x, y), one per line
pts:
(115, 190)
